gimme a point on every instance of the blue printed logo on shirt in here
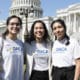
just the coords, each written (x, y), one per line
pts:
(42, 51)
(61, 49)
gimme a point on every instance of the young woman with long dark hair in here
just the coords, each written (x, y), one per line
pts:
(38, 52)
(65, 54)
(12, 50)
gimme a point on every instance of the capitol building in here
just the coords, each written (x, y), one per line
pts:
(22, 8)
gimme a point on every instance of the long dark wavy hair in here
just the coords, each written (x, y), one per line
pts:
(7, 23)
(31, 37)
(64, 26)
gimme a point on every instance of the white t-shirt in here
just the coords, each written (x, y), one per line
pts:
(40, 53)
(13, 59)
(64, 56)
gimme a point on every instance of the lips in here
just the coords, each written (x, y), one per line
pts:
(15, 29)
(39, 33)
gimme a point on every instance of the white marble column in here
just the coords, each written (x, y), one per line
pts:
(66, 21)
(77, 22)
(20, 2)
(74, 28)
(28, 1)
(69, 24)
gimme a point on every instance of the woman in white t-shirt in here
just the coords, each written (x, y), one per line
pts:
(65, 54)
(12, 50)
(38, 52)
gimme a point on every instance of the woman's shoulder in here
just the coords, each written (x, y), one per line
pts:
(0, 38)
(50, 43)
(28, 45)
(20, 41)
(73, 40)
(1, 41)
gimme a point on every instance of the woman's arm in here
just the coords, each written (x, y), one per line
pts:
(77, 69)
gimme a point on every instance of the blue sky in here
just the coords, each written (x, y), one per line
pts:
(49, 6)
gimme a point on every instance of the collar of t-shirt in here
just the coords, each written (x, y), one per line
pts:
(63, 41)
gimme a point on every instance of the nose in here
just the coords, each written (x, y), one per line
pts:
(57, 30)
(38, 29)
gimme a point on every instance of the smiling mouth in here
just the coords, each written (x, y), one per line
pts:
(16, 29)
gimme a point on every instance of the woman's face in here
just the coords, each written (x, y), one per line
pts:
(39, 30)
(14, 26)
(58, 30)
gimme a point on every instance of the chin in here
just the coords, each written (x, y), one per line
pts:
(39, 37)
(14, 33)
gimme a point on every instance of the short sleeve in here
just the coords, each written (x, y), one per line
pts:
(0, 43)
(27, 47)
(76, 50)
(24, 48)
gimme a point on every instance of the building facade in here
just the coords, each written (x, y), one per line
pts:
(71, 15)
(17, 5)
(28, 17)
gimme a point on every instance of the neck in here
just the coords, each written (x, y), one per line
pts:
(61, 38)
(13, 37)
(39, 40)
